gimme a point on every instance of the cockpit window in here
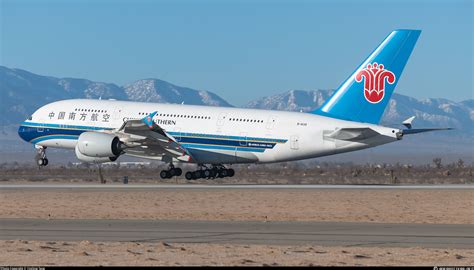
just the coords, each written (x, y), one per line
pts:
(30, 118)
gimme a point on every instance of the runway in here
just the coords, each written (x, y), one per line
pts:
(111, 187)
(242, 232)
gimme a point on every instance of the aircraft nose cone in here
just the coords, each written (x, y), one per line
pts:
(22, 132)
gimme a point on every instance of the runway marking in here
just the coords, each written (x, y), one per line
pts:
(242, 232)
(227, 186)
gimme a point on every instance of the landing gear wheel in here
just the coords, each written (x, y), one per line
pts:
(40, 158)
(42, 162)
(206, 173)
(223, 173)
(189, 176)
(178, 172)
(172, 172)
(213, 173)
(230, 172)
(165, 174)
(197, 174)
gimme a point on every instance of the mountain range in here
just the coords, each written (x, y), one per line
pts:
(22, 92)
(432, 112)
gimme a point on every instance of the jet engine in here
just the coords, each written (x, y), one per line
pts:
(89, 159)
(98, 147)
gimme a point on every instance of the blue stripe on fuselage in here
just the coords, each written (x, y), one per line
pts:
(242, 143)
(206, 146)
(75, 127)
(29, 134)
(37, 132)
(52, 137)
(223, 137)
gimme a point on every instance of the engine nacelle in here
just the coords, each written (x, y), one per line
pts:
(102, 145)
(89, 159)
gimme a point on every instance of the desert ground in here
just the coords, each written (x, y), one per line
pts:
(383, 206)
(443, 206)
(20, 252)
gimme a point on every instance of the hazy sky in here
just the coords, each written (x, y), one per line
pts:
(240, 50)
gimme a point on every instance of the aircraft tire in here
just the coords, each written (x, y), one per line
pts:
(164, 174)
(189, 176)
(213, 173)
(197, 174)
(223, 173)
(172, 172)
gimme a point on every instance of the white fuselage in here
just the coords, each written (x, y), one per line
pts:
(214, 135)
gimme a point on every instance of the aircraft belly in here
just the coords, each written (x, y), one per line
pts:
(59, 143)
(218, 156)
(245, 157)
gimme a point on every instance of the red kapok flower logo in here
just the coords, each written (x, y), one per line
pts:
(374, 85)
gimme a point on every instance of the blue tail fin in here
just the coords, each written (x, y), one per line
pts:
(365, 94)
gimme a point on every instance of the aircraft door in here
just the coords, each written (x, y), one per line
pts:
(41, 120)
(294, 142)
(220, 121)
(271, 122)
(117, 115)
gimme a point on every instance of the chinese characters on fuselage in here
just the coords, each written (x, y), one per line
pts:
(93, 117)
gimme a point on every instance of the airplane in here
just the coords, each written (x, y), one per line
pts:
(214, 138)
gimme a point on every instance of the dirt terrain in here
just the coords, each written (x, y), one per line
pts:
(280, 173)
(114, 253)
(385, 206)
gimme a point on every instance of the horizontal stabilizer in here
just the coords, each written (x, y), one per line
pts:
(352, 134)
(408, 122)
(420, 130)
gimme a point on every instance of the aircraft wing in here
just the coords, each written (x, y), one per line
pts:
(144, 138)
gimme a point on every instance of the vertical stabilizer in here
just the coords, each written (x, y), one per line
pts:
(365, 94)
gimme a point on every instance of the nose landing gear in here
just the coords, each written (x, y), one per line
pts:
(40, 157)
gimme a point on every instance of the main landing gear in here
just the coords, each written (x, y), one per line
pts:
(204, 172)
(208, 173)
(40, 158)
(172, 171)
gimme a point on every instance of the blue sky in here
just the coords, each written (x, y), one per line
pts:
(240, 50)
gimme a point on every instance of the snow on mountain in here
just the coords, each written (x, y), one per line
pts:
(22, 92)
(429, 113)
(293, 100)
(153, 90)
(87, 89)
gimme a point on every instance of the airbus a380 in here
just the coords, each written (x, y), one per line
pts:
(215, 137)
